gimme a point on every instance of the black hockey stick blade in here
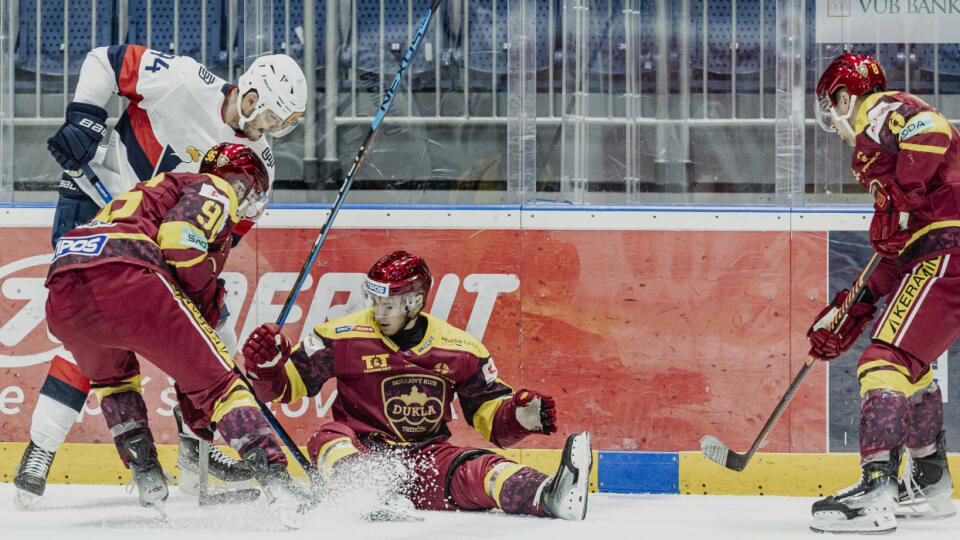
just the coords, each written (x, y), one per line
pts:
(716, 451)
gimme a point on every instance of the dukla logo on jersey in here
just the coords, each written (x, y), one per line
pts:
(414, 404)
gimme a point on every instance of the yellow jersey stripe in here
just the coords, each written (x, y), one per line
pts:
(924, 148)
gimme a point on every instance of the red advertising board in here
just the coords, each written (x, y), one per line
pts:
(648, 339)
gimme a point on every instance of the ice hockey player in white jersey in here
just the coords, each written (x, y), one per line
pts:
(176, 110)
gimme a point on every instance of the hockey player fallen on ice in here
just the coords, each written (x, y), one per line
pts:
(141, 278)
(397, 369)
(177, 109)
(908, 156)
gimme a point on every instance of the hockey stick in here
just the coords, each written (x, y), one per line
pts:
(715, 450)
(87, 173)
(347, 182)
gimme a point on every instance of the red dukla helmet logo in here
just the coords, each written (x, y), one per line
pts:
(858, 74)
(398, 273)
(234, 162)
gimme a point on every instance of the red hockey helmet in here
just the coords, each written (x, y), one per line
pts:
(241, 167)
(398, 273)
(858, 74)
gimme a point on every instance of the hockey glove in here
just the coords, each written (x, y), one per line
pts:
(886, 237)
(265, 352)
(535, 411)
(75, 143)
(827, 345)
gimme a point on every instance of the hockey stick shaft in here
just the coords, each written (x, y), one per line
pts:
(334, 210)
(726, 457)
(357, 161)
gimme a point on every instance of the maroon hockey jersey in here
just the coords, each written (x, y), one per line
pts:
(384, 392)
(905, 143)
(177, 224)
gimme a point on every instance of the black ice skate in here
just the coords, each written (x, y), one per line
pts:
(867, 507)
(31, 476)
(151, 483)
(925, 488)
(565, 491)
(289, 503)
(219, 465)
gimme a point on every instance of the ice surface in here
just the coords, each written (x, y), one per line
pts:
(80, 512)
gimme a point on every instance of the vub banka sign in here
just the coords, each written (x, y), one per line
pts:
(24, 299)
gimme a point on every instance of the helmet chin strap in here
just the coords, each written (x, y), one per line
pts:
(244, 119)
(844, 120)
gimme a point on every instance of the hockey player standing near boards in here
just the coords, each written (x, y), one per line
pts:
(397, 369)
(908, 156)
(177, 109)
(141, 277)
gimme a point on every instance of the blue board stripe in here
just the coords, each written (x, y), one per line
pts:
(638, 472)
(60, 391)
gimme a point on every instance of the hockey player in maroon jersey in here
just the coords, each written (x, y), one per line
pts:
(397, 369)
(908, 156)
(176, 108)
(141, 277)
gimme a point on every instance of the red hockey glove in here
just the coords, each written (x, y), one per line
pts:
(886, 237)
(265, 352)
(826, 345)
(535, 411)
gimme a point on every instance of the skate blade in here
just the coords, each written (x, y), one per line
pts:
(932, 509)
(23, 499)
(160, 507)
(581, 461)
(229, 496)
(837, 523)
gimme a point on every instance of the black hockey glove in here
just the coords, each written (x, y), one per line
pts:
(75, 143)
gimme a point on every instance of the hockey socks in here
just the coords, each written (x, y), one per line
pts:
(61, 399)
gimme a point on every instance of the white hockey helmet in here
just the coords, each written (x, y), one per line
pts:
(281, 87)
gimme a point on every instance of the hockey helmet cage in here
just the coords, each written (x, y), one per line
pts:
(398, 273)
(858, 74)
(281, 87)
(240, 166)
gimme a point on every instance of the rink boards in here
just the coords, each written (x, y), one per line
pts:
(650, 326)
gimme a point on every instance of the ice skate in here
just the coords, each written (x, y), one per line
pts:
(866, 507)
(31, 476)
(219, 465)
(565, 491)
(925, 488)
(141, 456)
(284, 499)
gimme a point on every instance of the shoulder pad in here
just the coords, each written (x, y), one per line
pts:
(446, 336)
(359, 324)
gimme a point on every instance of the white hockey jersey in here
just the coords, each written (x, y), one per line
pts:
(174, 116)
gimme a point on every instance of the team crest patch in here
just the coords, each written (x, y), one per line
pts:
(88, 246)
(222, 160)
(413, 404)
